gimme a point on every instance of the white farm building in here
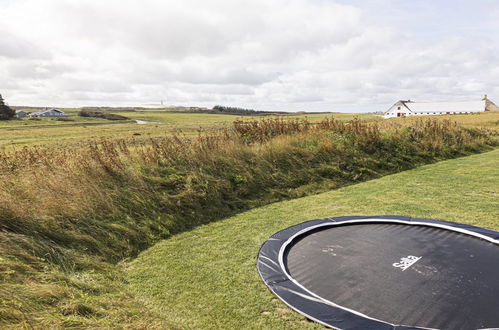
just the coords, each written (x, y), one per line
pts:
(48, 113)
(412, 108)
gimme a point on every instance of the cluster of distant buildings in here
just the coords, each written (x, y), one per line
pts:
(411, 108)
(43, 113)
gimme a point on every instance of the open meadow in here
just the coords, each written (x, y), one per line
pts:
(78, 130)
(153, 123)
(83, 201)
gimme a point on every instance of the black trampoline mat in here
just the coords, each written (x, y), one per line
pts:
(449, 281)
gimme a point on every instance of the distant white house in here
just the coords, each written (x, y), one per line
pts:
(411, 108)
(48, 113)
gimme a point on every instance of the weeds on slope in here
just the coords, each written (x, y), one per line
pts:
(67, 215)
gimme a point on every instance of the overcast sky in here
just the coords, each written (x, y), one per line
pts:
(312, 55)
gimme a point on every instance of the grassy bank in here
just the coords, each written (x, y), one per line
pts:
(207, 278)
(68, 215)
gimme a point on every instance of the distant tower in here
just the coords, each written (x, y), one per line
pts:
(161, 102)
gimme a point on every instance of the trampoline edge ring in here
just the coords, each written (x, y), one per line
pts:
(272, 268)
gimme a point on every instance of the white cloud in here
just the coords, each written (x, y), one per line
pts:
(269, 54)
(12, 46)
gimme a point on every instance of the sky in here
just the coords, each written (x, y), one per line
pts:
(289, 55)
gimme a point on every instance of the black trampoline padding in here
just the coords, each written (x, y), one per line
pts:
(386, 272)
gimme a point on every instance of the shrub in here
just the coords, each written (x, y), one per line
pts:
(100, 114)
(238, 111)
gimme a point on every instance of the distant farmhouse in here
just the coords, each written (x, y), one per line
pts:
(21, 113)
(412, 108)
(48, 113)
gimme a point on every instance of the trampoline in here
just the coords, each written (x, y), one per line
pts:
(386, 272)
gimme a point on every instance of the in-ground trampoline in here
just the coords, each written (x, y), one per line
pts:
(386, 272)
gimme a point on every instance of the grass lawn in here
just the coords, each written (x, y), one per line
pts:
(207, 278)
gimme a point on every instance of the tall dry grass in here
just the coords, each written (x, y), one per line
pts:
(71, 210)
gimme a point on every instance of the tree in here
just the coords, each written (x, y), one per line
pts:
(6, 112)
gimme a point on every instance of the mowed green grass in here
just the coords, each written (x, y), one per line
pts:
(207, 278)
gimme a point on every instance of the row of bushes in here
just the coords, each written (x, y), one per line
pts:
(239, 111)
(101, 114)
(71, 210)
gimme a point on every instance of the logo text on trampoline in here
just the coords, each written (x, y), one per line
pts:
(406, 262)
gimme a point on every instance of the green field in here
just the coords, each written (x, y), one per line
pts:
(47, 131)
(207, 278)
